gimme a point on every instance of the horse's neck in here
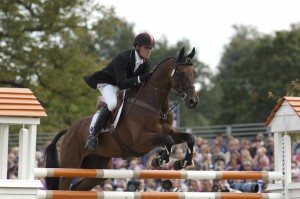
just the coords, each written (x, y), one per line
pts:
(159, 85)
(161, 77)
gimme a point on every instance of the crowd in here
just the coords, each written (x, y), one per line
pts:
(230, 154)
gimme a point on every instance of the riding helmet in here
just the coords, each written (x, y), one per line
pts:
(144, 39)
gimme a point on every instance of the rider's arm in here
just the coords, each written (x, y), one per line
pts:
(121, 70)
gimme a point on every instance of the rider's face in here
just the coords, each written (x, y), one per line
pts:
(145, 51)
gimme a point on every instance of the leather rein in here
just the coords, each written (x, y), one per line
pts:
(181, 94)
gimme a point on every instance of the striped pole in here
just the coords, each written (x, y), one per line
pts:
(152, 195)
(157, 174)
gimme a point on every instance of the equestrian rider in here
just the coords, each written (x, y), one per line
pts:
(126, 70)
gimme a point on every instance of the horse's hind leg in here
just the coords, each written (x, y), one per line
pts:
(64, 183)
(86, 184)
(180, 137)
(92, 162)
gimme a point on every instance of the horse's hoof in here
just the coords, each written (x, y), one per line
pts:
(190, 163)
(177, 165)
(155, 162)
(164, 156)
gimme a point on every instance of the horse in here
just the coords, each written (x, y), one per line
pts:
(145, 123)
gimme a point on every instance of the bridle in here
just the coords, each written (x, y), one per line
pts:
(180, 94)
(182, 90)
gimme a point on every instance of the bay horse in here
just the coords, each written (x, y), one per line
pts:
(145, 123)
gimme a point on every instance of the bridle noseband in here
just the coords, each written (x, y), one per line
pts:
(181, 93)
(182, 90)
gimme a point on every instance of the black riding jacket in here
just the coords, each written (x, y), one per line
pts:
(120, 72)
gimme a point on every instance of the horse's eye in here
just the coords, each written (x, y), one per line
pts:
(180, 74)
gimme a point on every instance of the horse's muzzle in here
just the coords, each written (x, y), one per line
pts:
(191, 103)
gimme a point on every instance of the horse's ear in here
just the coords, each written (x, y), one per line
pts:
(181, 53)
(191, 55)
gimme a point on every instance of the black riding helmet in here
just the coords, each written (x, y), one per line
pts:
(144, 39)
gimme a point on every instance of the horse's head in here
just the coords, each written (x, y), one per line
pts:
(183, 78)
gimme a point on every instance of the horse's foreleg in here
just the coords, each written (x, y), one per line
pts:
(155, 140)
(180, 137)
(163, 156)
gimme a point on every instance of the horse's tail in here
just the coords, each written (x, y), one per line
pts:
(51, 160)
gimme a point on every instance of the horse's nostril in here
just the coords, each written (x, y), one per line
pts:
(192, 102)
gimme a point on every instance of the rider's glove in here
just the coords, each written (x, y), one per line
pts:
(145, 76)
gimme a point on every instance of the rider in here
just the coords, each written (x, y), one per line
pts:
(126, 70)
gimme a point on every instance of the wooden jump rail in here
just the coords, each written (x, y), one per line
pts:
(154, 174)
(152, 195)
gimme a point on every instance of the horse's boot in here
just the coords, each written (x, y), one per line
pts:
(92, 142)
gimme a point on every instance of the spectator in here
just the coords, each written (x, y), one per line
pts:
(107, 187)
(217, 153)
(220, 164)
(205, 156)
(150, 185)
(232, 146)
(245, 144)
(261, 160)
(270, 147)
(12, 166)
(253, 147)
(245, 156)
(219, 141)
(234, 163)
(135, 164)
(247, 165)
(120, 184)
(260, 138)
(206, 185)
(194, 185)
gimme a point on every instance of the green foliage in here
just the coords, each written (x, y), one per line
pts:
(48, 46)
(268, 64)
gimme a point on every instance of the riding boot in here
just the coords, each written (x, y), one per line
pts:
(92, 142)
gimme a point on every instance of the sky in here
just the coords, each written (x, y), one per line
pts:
(207, 24)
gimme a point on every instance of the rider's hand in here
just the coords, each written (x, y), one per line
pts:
(145, 76)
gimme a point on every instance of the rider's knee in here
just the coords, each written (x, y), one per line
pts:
(112, 104)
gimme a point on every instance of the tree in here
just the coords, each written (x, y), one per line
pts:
(48, 46)
(270, 65)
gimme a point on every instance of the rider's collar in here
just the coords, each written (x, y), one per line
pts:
(138, 60)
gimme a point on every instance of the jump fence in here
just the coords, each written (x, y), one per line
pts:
(154, 174)
(152, 195)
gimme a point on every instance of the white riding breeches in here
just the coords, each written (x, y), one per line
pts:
(109, 93)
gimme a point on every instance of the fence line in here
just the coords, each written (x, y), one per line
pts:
(157, 174)
(152, 195)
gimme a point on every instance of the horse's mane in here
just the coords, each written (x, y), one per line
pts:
(162, 62)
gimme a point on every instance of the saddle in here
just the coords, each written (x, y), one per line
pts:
(112, 122)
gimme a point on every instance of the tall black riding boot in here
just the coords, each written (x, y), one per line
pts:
(92, 142)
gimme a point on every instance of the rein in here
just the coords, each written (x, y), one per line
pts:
(181, 94)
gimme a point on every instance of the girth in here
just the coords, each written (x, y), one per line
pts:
(143, 104)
